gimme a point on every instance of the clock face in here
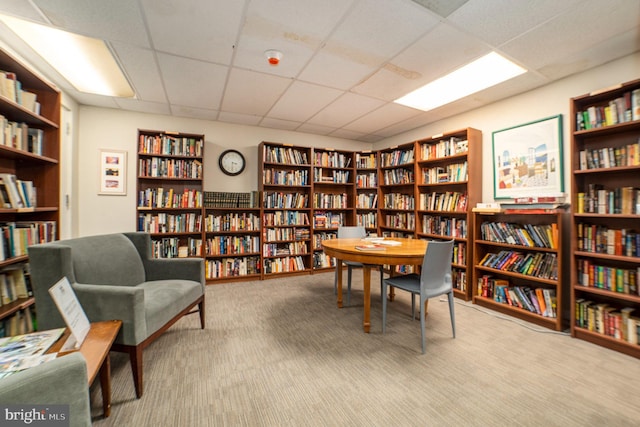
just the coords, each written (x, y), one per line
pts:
(231, 162)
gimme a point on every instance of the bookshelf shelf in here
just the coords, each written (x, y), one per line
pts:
(29, 158)
(605, 161)
(518, 265)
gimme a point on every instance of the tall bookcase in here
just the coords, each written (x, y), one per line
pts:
(29, 156)
(518, 266)
(285, 178)
(448, 185)
(169, 191)
(332, 199)
(366, 190)
(605, 248)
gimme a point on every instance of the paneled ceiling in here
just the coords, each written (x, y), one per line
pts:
(344, 61)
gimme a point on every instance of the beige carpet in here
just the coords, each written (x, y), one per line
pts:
(280, 353)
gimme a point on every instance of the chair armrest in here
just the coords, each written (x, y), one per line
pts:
(108, 302)
(62, 381)
(175, 268)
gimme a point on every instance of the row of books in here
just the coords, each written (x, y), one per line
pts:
(614, 279)
(455, 172)
(285, 218)
(330, 201)
(610, 157)
(539, 264)
(322, 260)
(327, 220)
(285, 234)
(396, 158)
(541, 301)
(621, 323)
(367, 220)
(318, 238)
(16, 237)
(444, 148)
(232, 267)
(366, 161)
(444, 226)
(169, 145)
(622, 109)
(170, 223)
(459, 279)
(281, 249)
(232, 221)
(398, 176)
(282, 200)
(158, 198)
(541, 236)
(285, 177)
(20, 323)
(20, 136)
(335, 176)
(285, 155)
(621, 200)
(459, 253)
(398, 201)
(604, 240)
(17, 193)
(11, 88)
(285, 264)
(232, 245)
(450, 201)
(14, 284)
(227, 199)
(331, 159)
(157, 167)
(367, 201)
(405, 221)
(170, 247)
(367, 180)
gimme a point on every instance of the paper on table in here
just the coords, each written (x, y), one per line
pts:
(71, 311)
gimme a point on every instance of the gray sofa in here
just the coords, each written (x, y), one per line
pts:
(116, 277)
(62, 381)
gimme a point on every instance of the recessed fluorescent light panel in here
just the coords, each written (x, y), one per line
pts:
(86, 63)
(480, 74)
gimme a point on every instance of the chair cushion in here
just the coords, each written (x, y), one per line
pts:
(164, 299)
(106, 260)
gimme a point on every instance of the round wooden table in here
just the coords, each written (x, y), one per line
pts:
(409, 252)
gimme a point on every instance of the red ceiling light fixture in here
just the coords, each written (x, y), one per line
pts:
(273, 56)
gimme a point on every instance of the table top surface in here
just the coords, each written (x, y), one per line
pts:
(408, 252)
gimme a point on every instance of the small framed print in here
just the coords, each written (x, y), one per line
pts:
(113, 172)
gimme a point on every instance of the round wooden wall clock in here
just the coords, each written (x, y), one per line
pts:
(231, 162)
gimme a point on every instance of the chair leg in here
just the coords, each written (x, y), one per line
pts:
(201, 309)
(384, 307)
(335, 282)
(422, 326)
(349, 274)
(451, 313)
(413, 306)
(135, 356)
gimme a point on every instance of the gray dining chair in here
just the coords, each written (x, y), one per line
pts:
(434, 280)
(352, 232)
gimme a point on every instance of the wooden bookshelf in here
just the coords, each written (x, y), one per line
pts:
(521, 252)
(366, 190)
(285, 182)
(170, 173)
(605, 259)
(448, 185)
(30, 152)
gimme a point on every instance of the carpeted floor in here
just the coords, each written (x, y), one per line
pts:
(280, 353)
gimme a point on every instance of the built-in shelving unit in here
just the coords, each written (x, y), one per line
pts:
(366, 190)
(605, 254)
(448, 186)
(29, 161)
(169, 192)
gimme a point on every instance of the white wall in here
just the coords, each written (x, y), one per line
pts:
(118, 130)
(537, 104)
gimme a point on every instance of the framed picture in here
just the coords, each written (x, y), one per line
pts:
(113, 172)
(527, 160)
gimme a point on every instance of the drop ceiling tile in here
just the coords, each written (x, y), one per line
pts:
(21, 9)
(290, 106)
(441, 7)
(199, 29)
(384, 116)
(194, 113)
(142, 71)
(193, 83)
(315, 129)
(424, 61)
(143, 107)
(347, 134)
(249, 92)
(345, 109)
(279, 124)
(237, 118)
(115, 20)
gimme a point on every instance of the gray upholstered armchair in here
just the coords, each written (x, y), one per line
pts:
(116, 277)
